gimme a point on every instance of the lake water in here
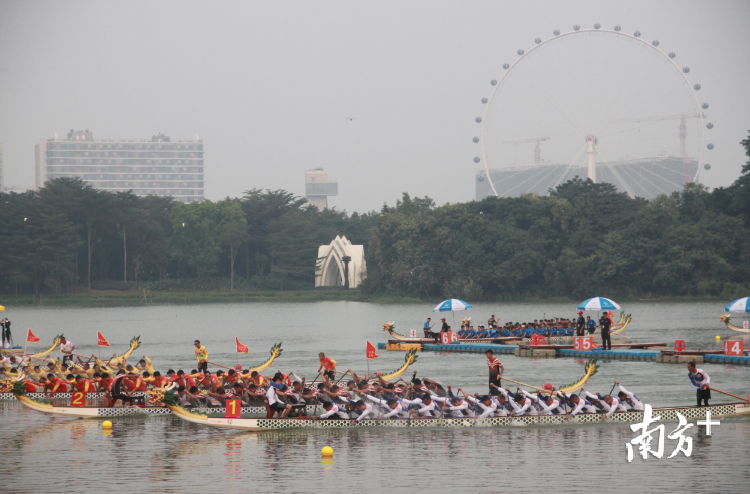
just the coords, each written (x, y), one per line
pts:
(165, 454)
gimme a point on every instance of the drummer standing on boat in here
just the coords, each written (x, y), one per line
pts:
(700, 379)
(202, 355)
(66, 347)
(496, 372)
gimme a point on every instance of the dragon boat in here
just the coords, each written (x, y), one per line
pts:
(726, 318)
(665, 414)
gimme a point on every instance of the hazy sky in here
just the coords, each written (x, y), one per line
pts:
(267, 85)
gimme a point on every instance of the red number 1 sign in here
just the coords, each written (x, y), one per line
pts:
(234, 409)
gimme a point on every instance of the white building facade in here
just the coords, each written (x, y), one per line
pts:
(332, 266)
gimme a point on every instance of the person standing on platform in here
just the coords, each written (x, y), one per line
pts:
(580, 324)
(700, 379)
(605, 322)
(496, 372)
(202, 355)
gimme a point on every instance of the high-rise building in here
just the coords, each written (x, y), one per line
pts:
(159, 166)
(318, 188)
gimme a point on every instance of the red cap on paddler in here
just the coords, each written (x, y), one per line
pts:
(580, 312)
(443, 319)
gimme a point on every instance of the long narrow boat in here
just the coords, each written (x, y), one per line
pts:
(725, 319)
(666, 414)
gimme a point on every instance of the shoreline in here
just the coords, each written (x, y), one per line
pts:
(136, 298)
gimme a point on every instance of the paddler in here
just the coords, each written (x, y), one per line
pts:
(144, 365)
(202, 355)
(332, 412)
(700, 379)
(496, 372)
(626, 396)
(55, 384)
(329, 364)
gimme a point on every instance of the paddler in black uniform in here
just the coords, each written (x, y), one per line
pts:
(580, 324)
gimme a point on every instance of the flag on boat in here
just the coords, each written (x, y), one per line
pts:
(31, 338)
(102, 340)
(240, 347)
(452, 305)
(371, 351)
(598, 303)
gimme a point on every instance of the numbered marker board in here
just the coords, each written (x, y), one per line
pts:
(735, 348)
(448, 337)
(583, 343)
(413, 333)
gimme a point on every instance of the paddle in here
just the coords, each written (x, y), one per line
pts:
(527, 385)
(729, 394)
(218, 365)
(613, 387)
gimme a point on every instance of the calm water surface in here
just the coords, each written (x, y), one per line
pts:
(165, 454)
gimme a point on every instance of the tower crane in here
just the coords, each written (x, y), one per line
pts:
(683, 124)
(537, 148)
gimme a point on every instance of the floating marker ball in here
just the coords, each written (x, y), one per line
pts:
(556, 32)
(718, 337)
(704, 106)
(686, 69)
(597, 25)
(478, 120)
(480, 178)
(710, 146)
(506, 66)
(617, 28)
(485, 100)
(709, 125)
(327, 451)
(476, 159)
(475, 140)
(637, 34)
(548, 386)
(707, 166)
(576, 27)
(520, 52)
(655, 42)
(106, 425)
(538, 40)
(672, 54)
(697, 87)
(493, 81)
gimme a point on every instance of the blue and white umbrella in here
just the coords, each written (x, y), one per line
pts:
(598, 303)
(452, 305)
(741, 305)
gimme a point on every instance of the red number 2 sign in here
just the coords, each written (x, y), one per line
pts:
(78, 399)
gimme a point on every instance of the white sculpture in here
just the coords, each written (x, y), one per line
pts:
(338, 258)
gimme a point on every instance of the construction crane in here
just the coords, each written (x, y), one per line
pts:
(537, 148)
(683, 124)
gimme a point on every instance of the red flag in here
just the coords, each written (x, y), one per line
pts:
(371, 351)
(30, 337)
(240, 347)
(102, 341)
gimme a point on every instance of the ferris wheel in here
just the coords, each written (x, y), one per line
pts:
(597, 103)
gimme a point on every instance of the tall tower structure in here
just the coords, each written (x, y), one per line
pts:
(591, 153)
(318, 188)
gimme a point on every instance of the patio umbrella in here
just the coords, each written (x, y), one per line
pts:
(598, 303)
(740, 305)
(452, 305)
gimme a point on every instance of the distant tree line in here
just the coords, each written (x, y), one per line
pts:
(68, 236)
(584, 239)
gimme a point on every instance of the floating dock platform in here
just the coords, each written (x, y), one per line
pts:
(643, 352)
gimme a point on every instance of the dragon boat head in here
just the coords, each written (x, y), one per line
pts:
(466, 321)
(276, 350)
(389, 326)
(156, 395)
(725, 318)
(16, 386)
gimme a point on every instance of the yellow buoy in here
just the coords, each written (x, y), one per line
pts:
(718, 337)
(106, 424)
(326, 451)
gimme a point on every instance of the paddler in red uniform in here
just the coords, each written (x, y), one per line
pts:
(55, 384)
